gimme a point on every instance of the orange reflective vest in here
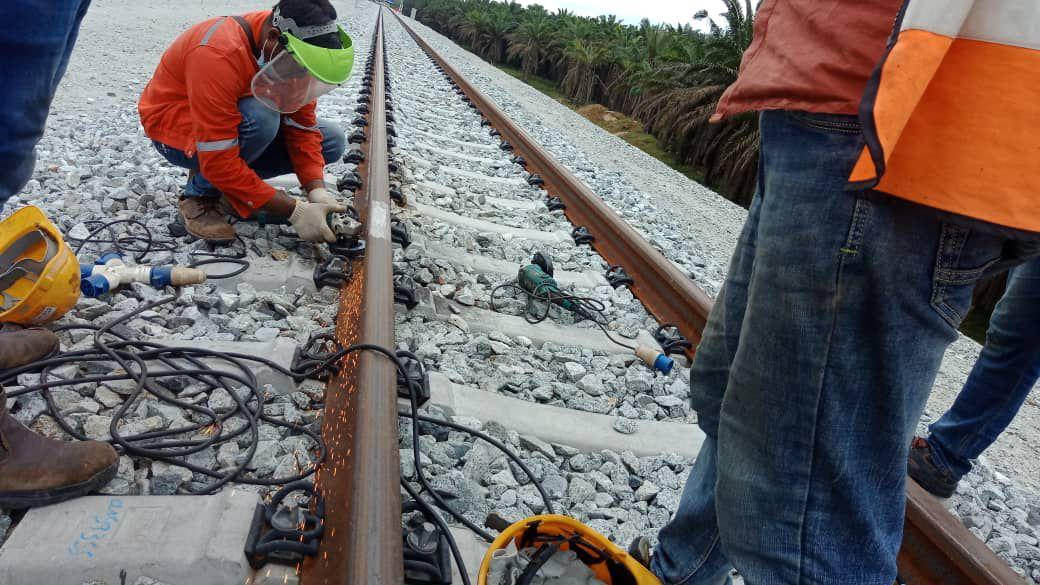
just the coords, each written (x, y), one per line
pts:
(951, 116)
(191, 103)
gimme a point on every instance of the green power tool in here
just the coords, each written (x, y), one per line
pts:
(536, 279)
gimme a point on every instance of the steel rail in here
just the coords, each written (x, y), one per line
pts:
(937, 549)
(666, 292)
(362, 541)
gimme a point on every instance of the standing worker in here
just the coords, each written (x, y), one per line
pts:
(897, 167)
(1004, 375)
(233, 101)
(34, 53)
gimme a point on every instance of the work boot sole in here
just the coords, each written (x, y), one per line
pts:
(219, 241)
(33, 499)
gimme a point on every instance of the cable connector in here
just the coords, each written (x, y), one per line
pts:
(653, 357)
(110, 272)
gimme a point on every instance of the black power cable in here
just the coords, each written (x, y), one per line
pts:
(138, 360)
(585, 307)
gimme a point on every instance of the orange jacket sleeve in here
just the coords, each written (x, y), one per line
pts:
(303, 141)
(213, 93)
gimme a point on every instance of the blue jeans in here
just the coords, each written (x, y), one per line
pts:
(36, 39)
(1002, 378)
(814, 369)
(260, 144)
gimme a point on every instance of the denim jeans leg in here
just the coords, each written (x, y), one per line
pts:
(852, 300)
(275, 160)
(34, 53)
(1000, 382)
(256, 131)
(688, 550)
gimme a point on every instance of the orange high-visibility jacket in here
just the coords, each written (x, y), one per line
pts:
(191, 104)
(952, 114)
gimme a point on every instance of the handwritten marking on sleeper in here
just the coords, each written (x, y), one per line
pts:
(97, 530)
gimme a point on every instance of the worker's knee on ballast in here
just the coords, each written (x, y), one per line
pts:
(259, 125)
(333, 141)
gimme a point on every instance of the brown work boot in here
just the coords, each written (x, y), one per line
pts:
(204, 220)
(24, 346)
(37, 471)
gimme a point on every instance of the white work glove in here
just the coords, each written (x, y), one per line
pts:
(311, 220)
(321, 195)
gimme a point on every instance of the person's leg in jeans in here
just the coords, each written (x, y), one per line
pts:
(36, 40)
(1003, 376)
(684, 552)
(260, 145)
(850, 302)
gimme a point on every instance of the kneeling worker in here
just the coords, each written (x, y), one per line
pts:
(233, 100)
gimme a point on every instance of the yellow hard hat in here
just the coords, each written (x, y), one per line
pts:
(609, 563)
(39, 274)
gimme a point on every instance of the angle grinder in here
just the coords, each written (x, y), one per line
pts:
(536, 279)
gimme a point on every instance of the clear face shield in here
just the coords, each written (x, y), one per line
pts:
(286, 86)
(302, 72)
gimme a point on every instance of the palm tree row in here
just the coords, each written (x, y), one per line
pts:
(669, 77)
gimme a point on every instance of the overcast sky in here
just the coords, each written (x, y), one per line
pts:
(670, 11)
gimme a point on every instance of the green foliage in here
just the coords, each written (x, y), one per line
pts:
(669, 77)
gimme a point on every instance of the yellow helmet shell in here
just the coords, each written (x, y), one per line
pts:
(39, 274)
(629, 570)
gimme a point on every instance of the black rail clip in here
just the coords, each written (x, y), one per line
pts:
(427, 554)
(506, 146)
(671, 340)
(400, 234)
(334, 271)
(361, 121)
(555, 204)
(354, 155)
(404, 291)
(415, 375)
(397, 195)
(581, 235)
(311, 359)
(286, 535)
(357, 136)
(535, 180)
(617, 277)
(350, 181)
(520, 160)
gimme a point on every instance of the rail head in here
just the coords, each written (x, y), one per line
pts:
(362, 541)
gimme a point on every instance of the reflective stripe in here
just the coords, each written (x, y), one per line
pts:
(217, 145)
(294, 124)
(212, 29)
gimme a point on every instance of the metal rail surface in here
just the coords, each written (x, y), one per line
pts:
(360, 481)
(937, 549)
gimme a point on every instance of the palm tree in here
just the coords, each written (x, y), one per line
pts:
(530, 42)
(581, 80)
(682, 97)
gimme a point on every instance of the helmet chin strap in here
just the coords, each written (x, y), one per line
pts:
(288, 25)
